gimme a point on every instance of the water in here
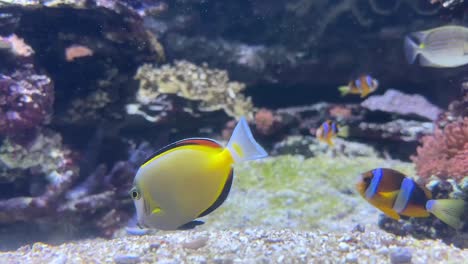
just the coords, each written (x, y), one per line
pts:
(90, 91)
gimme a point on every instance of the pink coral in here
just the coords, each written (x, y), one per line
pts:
(267, 122)
(26, 100)
(444, 154)
(264, 120)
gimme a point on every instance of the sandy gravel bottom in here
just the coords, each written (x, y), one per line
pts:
(244, 246)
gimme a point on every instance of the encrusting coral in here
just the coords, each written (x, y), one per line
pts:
(45, 155)
(26, 100)
(444, 154)
(210, 88)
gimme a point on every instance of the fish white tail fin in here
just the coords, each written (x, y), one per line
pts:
(411, 50)
(242, 144)
(449, 211)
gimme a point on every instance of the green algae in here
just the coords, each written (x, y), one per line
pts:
(297, 192)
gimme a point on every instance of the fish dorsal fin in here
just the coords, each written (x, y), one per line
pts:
(184, 142)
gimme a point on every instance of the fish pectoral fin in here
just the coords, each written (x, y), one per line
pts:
(156, 210)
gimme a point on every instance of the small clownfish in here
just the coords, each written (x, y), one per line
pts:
(364, 85)
(328, 130)
(395, 194)
(189, 178)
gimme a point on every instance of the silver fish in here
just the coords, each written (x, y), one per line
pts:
(441, 47)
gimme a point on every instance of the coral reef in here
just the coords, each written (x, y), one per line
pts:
(209, 88)
(16, 45)
(394, 101)
(77, 51)
(40, 175)
(444, 154)
(26, 100)
(266, 122)
(396, 130)
(45, 156)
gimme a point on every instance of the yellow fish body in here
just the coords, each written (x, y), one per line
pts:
(189, 178)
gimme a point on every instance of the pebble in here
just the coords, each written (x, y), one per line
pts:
(126, 259)
(359, 228)
(223, 261)
(351, 258)
(400, 255)
(343, 247)
(196, 243)
(60, 259)
(382, 251)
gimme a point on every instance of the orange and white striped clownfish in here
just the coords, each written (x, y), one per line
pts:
(395, 194)
(329, 130)
(189, 178)
(364, 85)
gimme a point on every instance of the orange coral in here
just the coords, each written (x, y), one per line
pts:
(444, 154)
(339, 111)
(18, 46)
(265, 121)
(77, 51)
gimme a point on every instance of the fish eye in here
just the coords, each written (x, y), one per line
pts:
(367, 179)
(135, 194)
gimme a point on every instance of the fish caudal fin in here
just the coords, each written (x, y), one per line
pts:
(344, 132)
(449, 211)
(344, 90)
(411, 50)
(242, 144)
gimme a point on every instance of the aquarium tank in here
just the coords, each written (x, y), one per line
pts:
(234, 131)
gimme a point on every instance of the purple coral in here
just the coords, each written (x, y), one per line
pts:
(26, 101)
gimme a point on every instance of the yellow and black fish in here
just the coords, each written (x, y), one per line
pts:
(396, 195)
(189, 178)
(329, 130)
(364, 85)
